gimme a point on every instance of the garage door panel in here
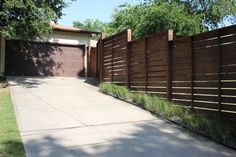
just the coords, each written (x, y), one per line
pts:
(44, 59)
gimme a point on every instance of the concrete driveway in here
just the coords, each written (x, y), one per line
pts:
(67, 117)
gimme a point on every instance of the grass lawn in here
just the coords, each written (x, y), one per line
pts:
(10, 141)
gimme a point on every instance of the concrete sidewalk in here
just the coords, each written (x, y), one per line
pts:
(67, 117)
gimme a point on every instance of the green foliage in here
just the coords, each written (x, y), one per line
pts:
(121, 92)
(158, 106)
(27, 19)
(185, 17)
(10, 141)
(213, 13)
(211, 128)
(95, 25)
(152, 18)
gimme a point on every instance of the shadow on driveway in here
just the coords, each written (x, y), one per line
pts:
(34, 82)
(148, 141)
(92, 81)
(27, 82)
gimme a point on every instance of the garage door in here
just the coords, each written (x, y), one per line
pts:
(44, 59)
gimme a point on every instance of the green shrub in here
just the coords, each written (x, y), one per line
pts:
(208, 127)
(211, 128)
(138, 98)
(121, 92)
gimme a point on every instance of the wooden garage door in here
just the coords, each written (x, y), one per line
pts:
(44, 59)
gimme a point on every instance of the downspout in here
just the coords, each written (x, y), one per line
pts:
(87, 56)
(86, 61)
(87, 53)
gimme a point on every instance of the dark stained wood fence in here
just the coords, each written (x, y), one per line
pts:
(114, 58)
(92, 62)
(197, 71)
(149, 63)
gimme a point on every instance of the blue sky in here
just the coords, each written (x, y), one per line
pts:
(95, 9)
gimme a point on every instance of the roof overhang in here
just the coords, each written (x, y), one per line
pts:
(62, 28)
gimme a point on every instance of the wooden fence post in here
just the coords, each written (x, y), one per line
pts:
(89, 61)
(169, 64)
(219, 72)
(129, 39)
(146, 63)
(112, 56)
(100, 53)
(97, 60)
(192, 70)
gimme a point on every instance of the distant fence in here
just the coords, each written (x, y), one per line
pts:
(198, 71)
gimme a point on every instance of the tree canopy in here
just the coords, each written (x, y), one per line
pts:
(27, 19)
(185, 17)
(150, 18)
(95, 25)
(213, 13)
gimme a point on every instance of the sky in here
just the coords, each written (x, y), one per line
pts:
(93, 9)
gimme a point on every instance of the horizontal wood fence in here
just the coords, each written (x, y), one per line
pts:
(197, 71)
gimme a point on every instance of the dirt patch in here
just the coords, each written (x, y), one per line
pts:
(3, 84)
(4, 90)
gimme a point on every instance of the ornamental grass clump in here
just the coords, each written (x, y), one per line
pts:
(117, 91)
(212, 128)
